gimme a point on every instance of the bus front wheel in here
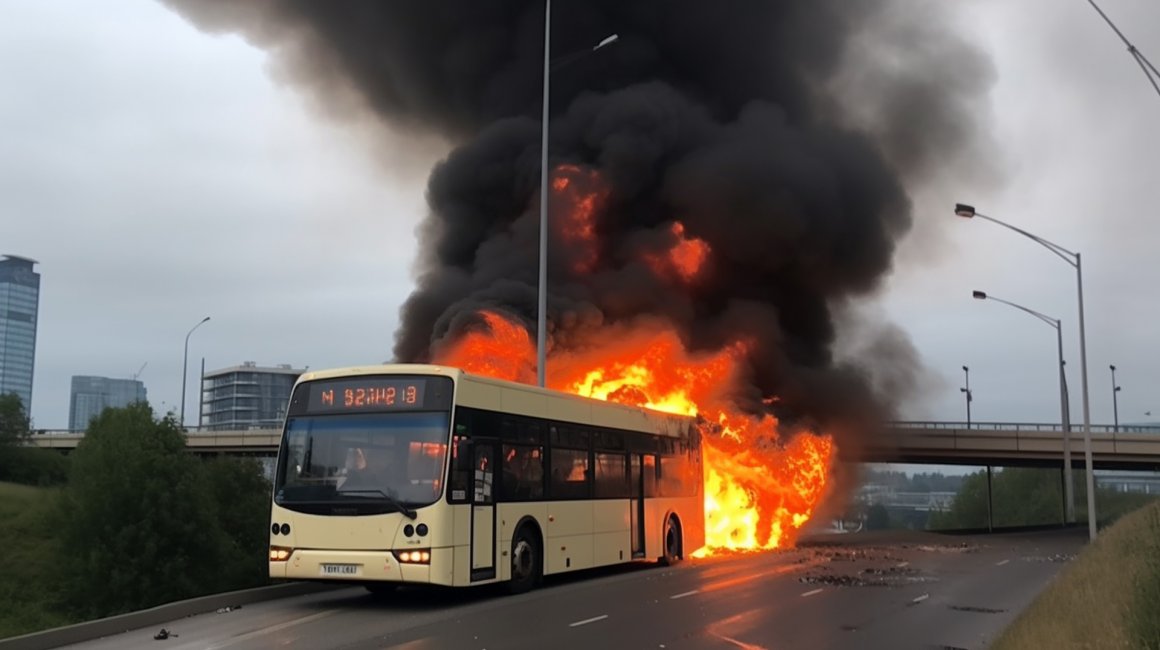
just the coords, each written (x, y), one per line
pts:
(526, 562)
(672, 540)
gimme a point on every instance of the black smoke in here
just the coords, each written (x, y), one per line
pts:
(733, 117)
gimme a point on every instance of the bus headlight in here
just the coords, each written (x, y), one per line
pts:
(413, 557)
(280, 553)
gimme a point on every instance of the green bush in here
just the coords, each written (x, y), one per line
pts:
(33, 466)
(241, 496)
(137, 517)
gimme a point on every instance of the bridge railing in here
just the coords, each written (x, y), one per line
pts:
(1022, 426)
(1022, 440)
(898, 424)
(196, 437)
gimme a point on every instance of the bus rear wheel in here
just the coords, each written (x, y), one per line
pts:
(526, 562)
(672, 541)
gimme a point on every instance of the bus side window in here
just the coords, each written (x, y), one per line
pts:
(611, 476)
(570, 474)
(523, 473)
(650, 475)
(461, 470)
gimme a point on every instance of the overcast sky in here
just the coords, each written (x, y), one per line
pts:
(160, 175)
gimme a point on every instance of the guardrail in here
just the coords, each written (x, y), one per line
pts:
(900, 424)
(243, 441)
(899, 441)
(1024, 426)
(188, 430)
(1034, 442)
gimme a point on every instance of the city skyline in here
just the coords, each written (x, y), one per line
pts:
(90, 395)
(294, 228)
(19, 315)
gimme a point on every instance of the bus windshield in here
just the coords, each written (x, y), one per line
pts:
(364, 464)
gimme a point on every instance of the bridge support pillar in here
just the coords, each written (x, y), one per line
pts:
(990, 505)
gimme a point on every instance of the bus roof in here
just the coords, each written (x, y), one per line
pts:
(524, 399)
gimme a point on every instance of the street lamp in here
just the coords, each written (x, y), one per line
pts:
(542, 306)
(967, 391)
(1150, 70)
(1065, 418)
(968, 211)
(1115, 401)
(185, 366)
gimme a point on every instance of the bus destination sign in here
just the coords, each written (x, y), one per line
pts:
(367, 394)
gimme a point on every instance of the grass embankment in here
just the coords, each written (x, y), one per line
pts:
(1109, 597)
(26, 602)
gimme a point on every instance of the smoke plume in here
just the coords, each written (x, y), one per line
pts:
(735, 119)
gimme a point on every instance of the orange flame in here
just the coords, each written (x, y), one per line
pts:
(579, 193)
(689, 254)
(686, 257)
(503, 350)
(759, 489)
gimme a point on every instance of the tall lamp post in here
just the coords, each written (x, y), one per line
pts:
(968, 211)
(185, 367)
(967, 392)
(542, 302)
(1063, 415)
(1115, 401)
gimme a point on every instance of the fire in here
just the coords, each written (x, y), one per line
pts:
(578, 194)
(503, 350)
(760, 489)
(686, 257)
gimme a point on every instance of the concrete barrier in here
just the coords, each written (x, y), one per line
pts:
(89, 630)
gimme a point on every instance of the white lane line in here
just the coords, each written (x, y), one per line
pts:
(588, 620)
(921, 598)
(811, 593)
(270, 629)
(1002, 562)
(902, 565)
(687, 593)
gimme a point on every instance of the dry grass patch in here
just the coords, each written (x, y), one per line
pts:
(1102, 599)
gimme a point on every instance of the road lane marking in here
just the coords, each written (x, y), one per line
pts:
(269, 629)
(687, 593)
(1002, 562)
(588, 620)
(811, 593)
(921, 598)
(902, 565)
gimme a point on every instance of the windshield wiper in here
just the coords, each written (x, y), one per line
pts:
(407, 512)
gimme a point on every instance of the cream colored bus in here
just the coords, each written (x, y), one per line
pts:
(426, 474)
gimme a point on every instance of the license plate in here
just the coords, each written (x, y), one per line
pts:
(340, 569)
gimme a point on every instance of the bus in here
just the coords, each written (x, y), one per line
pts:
(409, 473)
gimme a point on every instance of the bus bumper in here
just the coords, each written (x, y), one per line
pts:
(350, 566)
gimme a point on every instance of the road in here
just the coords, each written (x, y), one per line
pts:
(892, 591)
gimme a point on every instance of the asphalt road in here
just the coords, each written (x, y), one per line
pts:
(894, 591)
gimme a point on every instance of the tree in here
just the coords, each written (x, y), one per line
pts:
(19, 462)
(1020, 496)
(14, 423)
(136, 516)
(241, 496)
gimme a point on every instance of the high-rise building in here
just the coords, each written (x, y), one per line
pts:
(246, 396)
(91, 395)
(19, 304)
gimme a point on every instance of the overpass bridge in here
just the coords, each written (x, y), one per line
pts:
(935, 443)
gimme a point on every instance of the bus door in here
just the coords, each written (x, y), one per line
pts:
(636, 504)
(483, 512)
